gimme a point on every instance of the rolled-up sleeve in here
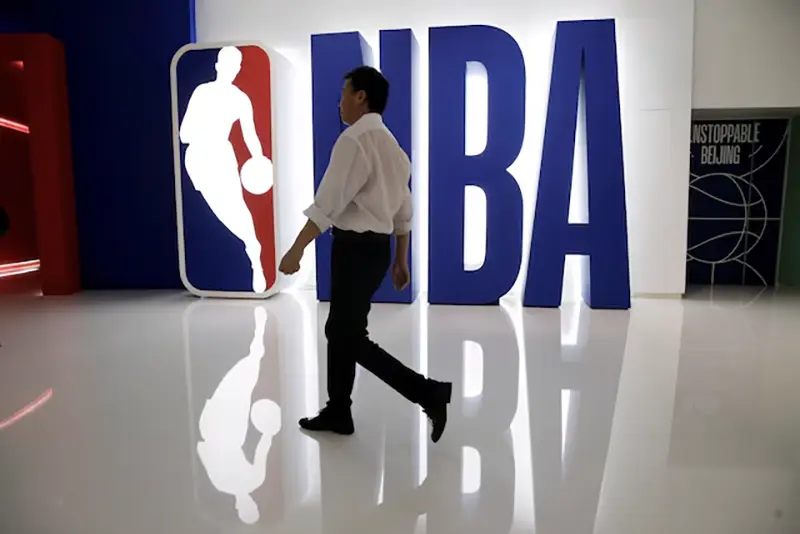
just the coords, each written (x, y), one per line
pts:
(345, 176)
(402, 219)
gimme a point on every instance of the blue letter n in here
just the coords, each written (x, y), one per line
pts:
(333, 56)
(584, 50)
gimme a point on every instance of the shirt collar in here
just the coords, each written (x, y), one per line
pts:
(370, 119)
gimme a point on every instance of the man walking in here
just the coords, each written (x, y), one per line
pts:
(365, 197)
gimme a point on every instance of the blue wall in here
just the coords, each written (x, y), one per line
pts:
(19, 17)
(118, 60)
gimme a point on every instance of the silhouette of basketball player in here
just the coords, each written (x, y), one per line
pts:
(210, 161)
(225, 421)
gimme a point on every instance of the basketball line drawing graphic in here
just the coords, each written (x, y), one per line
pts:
(748, 203)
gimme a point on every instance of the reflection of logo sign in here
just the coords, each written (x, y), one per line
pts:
(224, 171)
(224, 423)
(236, 396)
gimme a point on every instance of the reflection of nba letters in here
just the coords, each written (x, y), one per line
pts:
(225, 421)
(210, 161)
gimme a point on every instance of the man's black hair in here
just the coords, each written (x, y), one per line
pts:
(373, 84)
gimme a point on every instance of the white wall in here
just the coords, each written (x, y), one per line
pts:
(655, 58)
(746, 54)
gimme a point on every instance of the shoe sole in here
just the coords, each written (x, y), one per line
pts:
(341, 432)
(329, 431)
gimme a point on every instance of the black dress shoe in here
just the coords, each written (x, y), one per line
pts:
(436, 407)
(336, 420)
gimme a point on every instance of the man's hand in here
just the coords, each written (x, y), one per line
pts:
(290, 263)
(401, 276)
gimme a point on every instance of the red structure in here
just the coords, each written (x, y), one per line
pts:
(44, 90)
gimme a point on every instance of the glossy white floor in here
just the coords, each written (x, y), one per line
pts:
(159, 413)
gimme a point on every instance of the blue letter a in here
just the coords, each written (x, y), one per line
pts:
(584, 49)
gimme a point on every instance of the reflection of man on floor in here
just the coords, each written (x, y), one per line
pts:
(210, 160)
(224, 424)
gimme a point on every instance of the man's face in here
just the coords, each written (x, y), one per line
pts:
(351, 103)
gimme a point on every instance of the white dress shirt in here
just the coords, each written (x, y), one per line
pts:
(365, 188)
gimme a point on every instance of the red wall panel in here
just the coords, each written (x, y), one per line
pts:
(44, 93)
(16, 182)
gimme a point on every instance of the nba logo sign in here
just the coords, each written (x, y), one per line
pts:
(224, 172)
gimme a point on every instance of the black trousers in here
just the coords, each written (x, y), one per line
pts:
(359, 263)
